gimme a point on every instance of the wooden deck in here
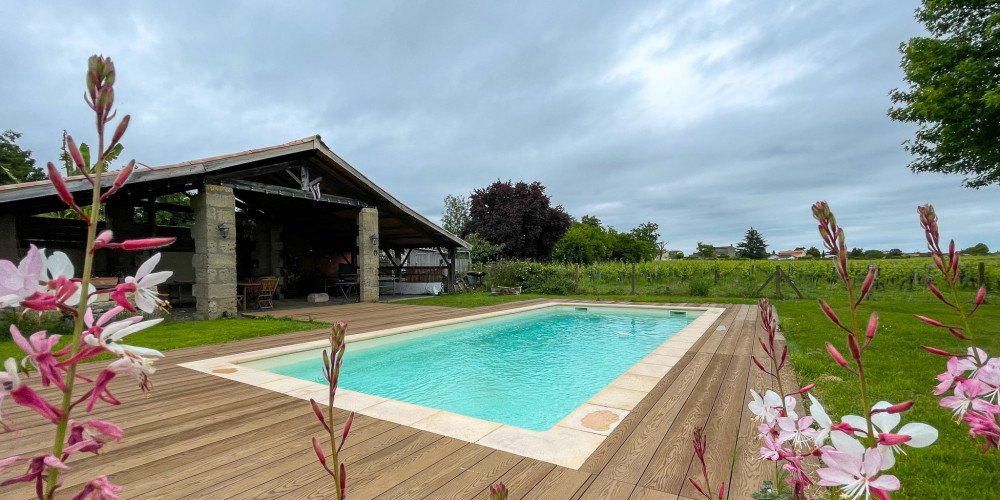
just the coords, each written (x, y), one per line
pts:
(200, 436)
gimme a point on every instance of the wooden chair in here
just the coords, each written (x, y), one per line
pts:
(267, 287)
(251, 289)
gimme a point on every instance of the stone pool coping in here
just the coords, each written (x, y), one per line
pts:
(569, 443)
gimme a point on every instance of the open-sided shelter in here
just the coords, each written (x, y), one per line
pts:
(296, 210)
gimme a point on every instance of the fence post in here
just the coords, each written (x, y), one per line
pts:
(982, 273)
(716, 275)
(777, 282)
(633, 278)
(576, 280)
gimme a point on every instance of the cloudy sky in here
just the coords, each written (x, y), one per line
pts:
(704, 117)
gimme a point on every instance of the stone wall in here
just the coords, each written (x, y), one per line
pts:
(368, 255)
(214, 258)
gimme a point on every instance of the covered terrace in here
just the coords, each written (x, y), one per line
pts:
(296, 211)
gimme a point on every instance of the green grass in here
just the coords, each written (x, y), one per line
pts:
(177, 334)
(898, 370)
(476, 299)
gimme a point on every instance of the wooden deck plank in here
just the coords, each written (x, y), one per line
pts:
(560, 483)
(201, 436)
(600, 458)
(477, 478)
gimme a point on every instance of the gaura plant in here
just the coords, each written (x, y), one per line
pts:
(856, 453)
(973, 377)
(43, 282)
(331, 372)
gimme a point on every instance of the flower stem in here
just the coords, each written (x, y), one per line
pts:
(856, 333)
(81, 311)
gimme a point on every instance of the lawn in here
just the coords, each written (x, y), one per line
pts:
(177, 334)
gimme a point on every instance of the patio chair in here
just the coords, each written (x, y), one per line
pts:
(267, 287)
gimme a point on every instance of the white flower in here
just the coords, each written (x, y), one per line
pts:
(145, 281)
(921, 435)
(768, 407)
(112, 333)
(58, 265)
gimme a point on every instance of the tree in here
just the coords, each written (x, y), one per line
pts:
(519, 217)
(586, 242)
(856, 253)
(873, 254)
(16, 164)
(706, 251)
(814, 253)
(456, 214)
(894, 253)
(954, 91)
(977, 249)
(482, 250)
(753, 245)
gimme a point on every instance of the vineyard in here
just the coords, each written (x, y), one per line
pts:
(731, 278)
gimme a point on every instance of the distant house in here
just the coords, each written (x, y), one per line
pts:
(671, 254)
(798, 253)
(728, 251)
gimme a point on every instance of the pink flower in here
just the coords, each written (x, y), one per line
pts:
(99, 488)
(772, 449)
(984, 424)
(24, 396)
(856, 476)
(37, 468)
(800, 432)
(966, 396)
(989, 375)
(39, 351)
(19, 282)
(954, 372)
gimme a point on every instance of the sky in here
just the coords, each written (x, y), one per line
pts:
(706, 117)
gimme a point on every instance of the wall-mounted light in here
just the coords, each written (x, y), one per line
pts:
(224, 229)
(374, 239)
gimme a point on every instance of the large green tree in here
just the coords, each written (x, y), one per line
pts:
(16, 164)
(518, 216)
(954, 90)
(586, 242)
(753, 245)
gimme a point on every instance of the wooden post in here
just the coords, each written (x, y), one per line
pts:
(982, 273)
(633, 278)
(452, 255)
(716, 275)
(576, 280)
(777, 280)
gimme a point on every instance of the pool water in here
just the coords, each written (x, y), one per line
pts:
(527, 369)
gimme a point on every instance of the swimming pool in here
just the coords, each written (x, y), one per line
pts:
(528, 369)
(596, 354)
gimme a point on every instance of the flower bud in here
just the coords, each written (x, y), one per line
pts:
(929, 321)
(887, 439)
(147, 243)
(120, 131)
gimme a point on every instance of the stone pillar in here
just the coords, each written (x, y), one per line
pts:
(368, 254)
(214, 256)
(8, 238)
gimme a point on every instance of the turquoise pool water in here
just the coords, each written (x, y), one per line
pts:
(527, 369)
